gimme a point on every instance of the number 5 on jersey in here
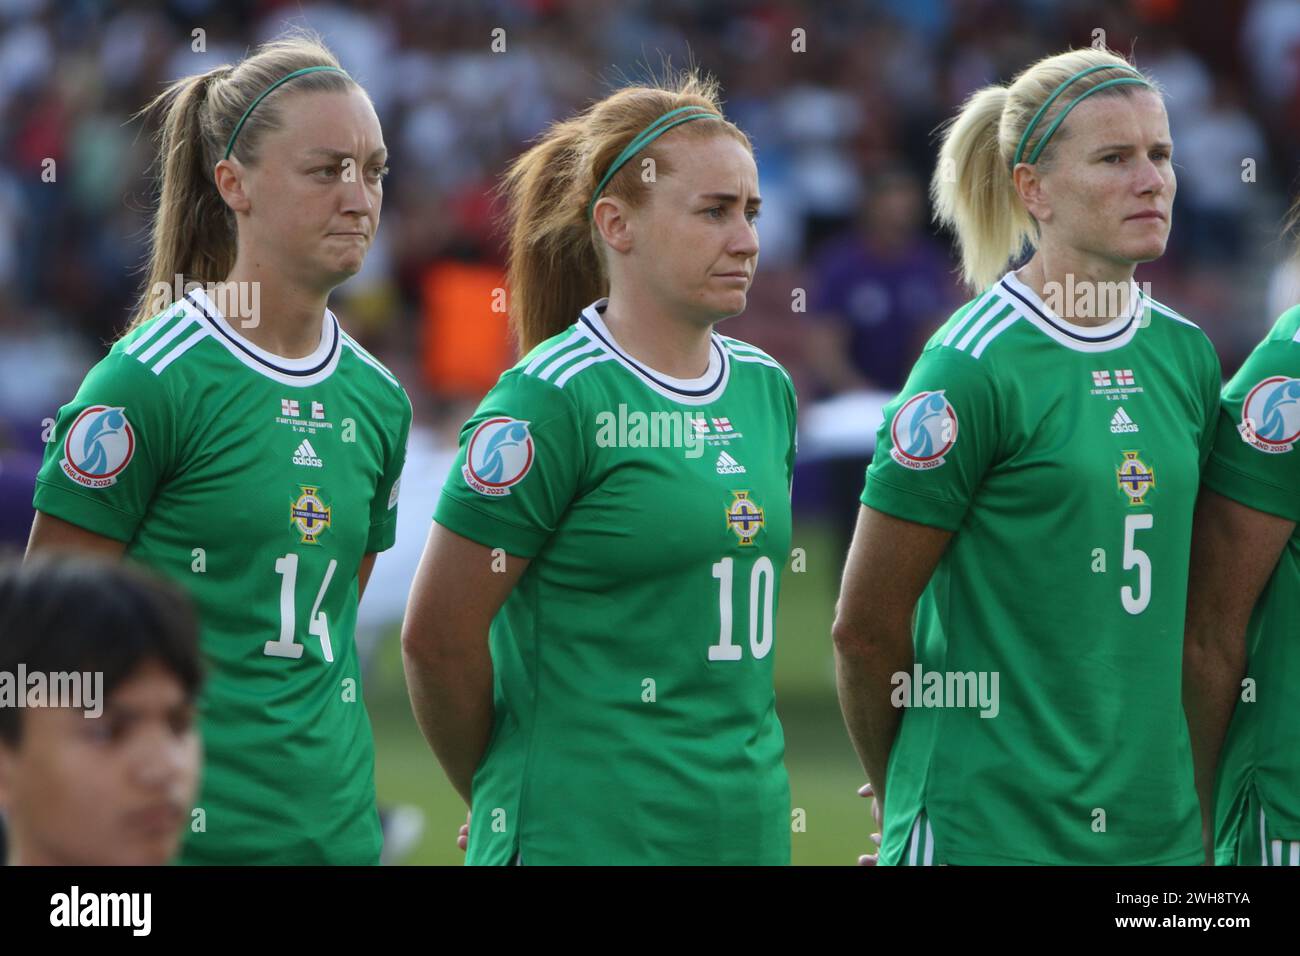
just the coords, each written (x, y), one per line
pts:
(1136, 602)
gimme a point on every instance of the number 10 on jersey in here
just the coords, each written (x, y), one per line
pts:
(762, 579)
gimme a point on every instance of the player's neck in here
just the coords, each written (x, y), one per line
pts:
(669, 344)
(1077, 288)
(279, 317)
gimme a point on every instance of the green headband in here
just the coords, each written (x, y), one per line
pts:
(1033, 123)
(253, 105)
(644, 139)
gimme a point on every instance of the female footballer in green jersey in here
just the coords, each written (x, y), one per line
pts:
(1009, 631)
(242, 444)
(1242, 659)
(589, 642)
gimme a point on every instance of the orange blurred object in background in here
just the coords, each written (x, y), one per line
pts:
(465, 341)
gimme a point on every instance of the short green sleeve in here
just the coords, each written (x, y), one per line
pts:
(792, 405)
(1211, 383)
(1255, 460)
(938, 439)
(521, 459)
(112, 446)
(383, 508)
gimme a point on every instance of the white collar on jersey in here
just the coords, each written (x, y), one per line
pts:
(308, 370)
(688, 391)
(1118, 332)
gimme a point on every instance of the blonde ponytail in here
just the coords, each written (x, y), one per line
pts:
(972, 189)
(193, 233)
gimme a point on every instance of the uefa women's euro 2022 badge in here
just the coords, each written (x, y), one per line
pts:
(924, 429)
(498, 455)
(1270, 415)
(98, 447)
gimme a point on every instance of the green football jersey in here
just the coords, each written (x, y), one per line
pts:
(635, 717)
(257, 483)
(1044, 722)
(1255, 463)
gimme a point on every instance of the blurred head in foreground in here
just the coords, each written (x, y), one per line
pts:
(99, 753)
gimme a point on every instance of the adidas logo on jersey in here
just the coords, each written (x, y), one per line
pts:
(1120, 423)
(306, 455)
(729, 466)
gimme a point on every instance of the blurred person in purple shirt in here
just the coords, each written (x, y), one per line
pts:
(879, 292)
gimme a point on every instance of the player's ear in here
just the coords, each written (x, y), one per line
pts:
(613, 223)
(229, 176)
(1029, 185)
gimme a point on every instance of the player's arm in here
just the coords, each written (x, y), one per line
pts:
(457, 591)
(939, 437)
(890, 563)
(383, 507)
(363, 573)
(1234, 551)
(503, 501)
(1248, 508)
(54, 534)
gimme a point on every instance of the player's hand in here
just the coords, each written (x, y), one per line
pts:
(870, 859)
(462, 838)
